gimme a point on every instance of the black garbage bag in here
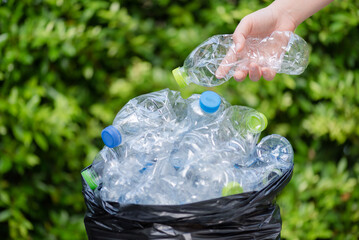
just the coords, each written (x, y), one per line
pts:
(251, 215)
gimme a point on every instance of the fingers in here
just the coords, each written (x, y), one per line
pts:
(227, 63)
(254, 72)
(240, 34)
(240, 75)
(239, 39)
(268, 74)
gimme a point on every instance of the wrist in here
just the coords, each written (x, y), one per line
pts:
(285, 15)
(297, 11)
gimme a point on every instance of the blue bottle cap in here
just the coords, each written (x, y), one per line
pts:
(111, 137)
(209, 101)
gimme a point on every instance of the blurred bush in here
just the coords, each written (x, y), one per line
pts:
(67, 67)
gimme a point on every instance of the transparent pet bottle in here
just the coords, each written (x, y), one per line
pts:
(214, 61)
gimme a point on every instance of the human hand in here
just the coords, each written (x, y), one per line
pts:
(259, 24)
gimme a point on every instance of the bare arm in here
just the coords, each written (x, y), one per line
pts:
(299, 10)
(281, 15)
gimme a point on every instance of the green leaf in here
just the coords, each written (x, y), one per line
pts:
(5, 215)
(41, 141)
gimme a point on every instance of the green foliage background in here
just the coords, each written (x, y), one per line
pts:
(68, 66)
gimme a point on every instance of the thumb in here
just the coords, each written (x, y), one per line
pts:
(240, 34)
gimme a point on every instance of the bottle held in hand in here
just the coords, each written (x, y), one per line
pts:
(214, 61)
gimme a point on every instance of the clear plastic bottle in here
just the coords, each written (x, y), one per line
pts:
(93, 174)
(243, 124)
(121, 177)
(143, 113)
(284, 52)
(202, 110)
(205, 178)
(273, 156)
(276, 149)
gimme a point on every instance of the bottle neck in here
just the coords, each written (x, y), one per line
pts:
(91, 177)
(181, 76)
(256, 122)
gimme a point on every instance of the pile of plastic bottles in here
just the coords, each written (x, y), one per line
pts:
(163, 149)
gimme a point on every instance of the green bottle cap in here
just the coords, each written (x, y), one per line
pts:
(257, 122)
(180, 76)
(231, 188)
(89, 178)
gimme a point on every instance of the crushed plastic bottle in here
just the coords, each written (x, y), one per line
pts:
(272, 157)
(205, 179)
(93, 175)
(203, 110)
(239, 131)
(141, 114)
(214, 61)
(123, 176)
(275, 148)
